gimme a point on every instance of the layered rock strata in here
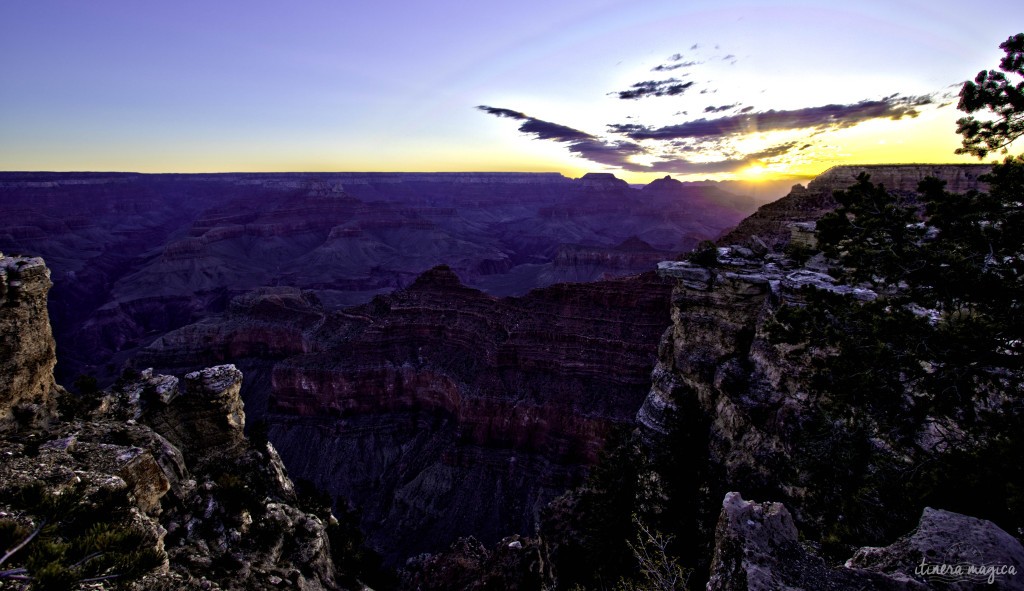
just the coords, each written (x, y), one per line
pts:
(136, 256)
(438, 410)
(773, 432)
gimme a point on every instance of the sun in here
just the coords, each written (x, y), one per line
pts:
(754, 171)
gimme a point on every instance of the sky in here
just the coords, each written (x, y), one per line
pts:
(696, 89)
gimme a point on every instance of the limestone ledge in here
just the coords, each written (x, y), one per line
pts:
(781, 282)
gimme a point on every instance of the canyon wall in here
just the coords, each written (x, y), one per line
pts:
(853, 465)
(439, 411)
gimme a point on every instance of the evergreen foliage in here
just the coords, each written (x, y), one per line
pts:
(942, 343)
(77, 541)
(590, 527)
(704, 254)
(871, 234)
(992, 91)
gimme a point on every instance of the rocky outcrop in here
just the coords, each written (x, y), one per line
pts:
(513, 564)
(207, 419)
(27, 351)
(168, 466)
(948, 550)
(440, 411)
(223, 508)
(714, 351)
(757, 547)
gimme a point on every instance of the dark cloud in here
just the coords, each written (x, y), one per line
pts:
(545, 130)
(614, 153)
(824, 117)
(502, 112)
(713, 109)
(670, 87)
(746, 109)
(729, 57)
(670, 67)
(676, 62)
(617, 153)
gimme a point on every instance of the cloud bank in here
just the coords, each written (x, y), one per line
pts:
(823, 117)
(708, 144)
(617, 153)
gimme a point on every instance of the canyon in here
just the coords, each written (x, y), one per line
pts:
(463, 398)
(384, 399)
(135, 255)
(437, 397)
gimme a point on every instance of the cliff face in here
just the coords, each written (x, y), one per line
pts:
(902, 178)
(438, 410)
(208, 508)
(824, 417)
(27, 350)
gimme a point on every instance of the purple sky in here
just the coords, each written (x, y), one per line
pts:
(218, 86)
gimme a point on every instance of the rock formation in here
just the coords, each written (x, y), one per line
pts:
(27, 351)
(757, 547)
(169, 464)
(850, 474)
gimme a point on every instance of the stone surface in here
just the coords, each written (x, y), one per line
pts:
(773, 432)
(950, 551)
(757, 547)
(208, 419)
(27, 350)
(219, 507)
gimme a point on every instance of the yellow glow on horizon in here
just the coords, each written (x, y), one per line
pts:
(929, 138)
(754, 171)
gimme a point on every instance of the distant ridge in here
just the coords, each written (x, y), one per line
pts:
(770, 223)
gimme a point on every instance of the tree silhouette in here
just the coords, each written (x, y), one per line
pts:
(992, 91)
